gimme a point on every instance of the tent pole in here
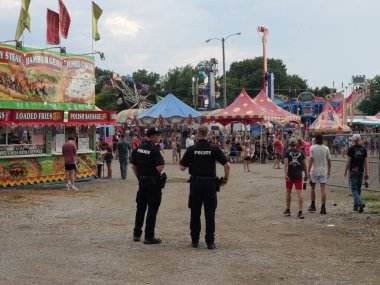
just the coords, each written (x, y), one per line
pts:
(261, 140)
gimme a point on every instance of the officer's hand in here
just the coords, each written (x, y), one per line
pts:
(224, 181)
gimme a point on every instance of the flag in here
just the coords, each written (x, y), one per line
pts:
(23, 20)
(96, 13)
(52, 32)
(64, 19)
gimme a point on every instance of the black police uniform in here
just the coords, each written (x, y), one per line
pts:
(201, 158)
(146, 157)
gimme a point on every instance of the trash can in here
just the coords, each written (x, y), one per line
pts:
(100, 168)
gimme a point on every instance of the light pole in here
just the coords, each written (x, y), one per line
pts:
(224, 66)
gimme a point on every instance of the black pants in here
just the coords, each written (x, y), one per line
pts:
(148, 196)
(202, 191)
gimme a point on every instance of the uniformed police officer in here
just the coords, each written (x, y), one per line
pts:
(201, 158)
(147, 165)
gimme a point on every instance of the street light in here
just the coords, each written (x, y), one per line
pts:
(224, 65)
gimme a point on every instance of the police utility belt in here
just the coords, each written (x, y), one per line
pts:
(155, 179)
(216, 179)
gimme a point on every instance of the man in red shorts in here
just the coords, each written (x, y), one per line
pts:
(69, 152)
(295, 163)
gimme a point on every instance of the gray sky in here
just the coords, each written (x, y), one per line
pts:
(320, 40)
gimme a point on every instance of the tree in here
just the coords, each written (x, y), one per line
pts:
(102, 78)
(178, 80)
(371, 104)
(152, 79)
(106, 99)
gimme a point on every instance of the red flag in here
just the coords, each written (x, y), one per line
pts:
(64, 19)
(52, 33)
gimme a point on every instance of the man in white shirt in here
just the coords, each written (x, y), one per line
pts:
(319, 169)
(190, 141)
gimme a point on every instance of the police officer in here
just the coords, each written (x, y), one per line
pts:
(147, 165)
(201, 158)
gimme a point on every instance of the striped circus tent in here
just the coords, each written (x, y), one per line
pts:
(128, 116)
(328, 122)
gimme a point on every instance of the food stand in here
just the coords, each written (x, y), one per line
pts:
(44, 98)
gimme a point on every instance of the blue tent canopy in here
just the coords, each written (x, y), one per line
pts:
(168, 107)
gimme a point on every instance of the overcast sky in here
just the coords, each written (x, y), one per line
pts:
(319, 40)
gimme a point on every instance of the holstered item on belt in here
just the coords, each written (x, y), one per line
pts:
(154, 179)
(218, 183)
(164, 177)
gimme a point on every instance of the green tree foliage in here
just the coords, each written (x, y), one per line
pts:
(106, 99)
(371, 104)
(178, 81)
(323, 91)
(248, 74)
(102, 78)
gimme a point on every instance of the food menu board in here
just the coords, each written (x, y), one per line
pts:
(46, 76)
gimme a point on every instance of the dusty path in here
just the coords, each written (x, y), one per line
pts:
(51, 236)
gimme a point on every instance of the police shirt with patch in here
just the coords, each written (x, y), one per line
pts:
(295, 163)
(357, 153)
(146, 157)
(201, 158)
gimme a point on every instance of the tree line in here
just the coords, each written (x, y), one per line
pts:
(242, 74)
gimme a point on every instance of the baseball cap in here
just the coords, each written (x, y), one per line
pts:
(293, 141)
(356, 137)
(152, 131)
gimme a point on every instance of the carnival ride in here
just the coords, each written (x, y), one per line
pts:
(132, 96)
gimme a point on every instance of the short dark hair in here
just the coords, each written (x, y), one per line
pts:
(319, 139)
(71, 138)
(203, 130)
(122, 136)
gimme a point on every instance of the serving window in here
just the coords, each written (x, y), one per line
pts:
(22, 140)
(83, 137)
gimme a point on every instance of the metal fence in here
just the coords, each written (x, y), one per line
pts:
(339, 159)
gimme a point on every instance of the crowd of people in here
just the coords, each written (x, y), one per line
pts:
(202, 149)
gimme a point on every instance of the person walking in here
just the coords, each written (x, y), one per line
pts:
(147, 165)
(201, 160)
(278, 150)
(357, 164)
(319, 171)
(108, 157)
(190, 141)
(122, 150)
(246, 155)
(69, 152)
(294, 164)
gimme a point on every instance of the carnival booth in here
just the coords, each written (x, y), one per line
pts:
(44, 98)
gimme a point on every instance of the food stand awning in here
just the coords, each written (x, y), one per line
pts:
(30, 117)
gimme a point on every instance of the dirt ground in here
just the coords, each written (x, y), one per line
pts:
(53, 236)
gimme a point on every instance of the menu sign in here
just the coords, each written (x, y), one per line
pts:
(5, 115)
(100, 117)
(37, 116)
(13, 150)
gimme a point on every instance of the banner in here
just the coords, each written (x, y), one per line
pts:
(5, 116)
(23, 20)
(90, 117)
(46, 76)
(37, 117)
(96, 13)
(52, 32)
(64, 19)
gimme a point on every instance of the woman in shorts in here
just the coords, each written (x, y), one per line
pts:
(108, 157)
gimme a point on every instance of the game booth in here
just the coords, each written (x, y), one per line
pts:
(45, 98)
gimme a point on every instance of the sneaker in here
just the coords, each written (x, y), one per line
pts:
(68, 187)
(152, 241)
(323, 211)
(211, 246)
(74, 188)
(287, 213)
(312, 208)
(300, 216)
(361, 208)
(194, 244)
(356, 208)
(136, 238)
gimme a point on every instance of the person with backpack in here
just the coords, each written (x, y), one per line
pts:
(357, 164)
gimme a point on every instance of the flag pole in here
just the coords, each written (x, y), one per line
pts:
(92, 29)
